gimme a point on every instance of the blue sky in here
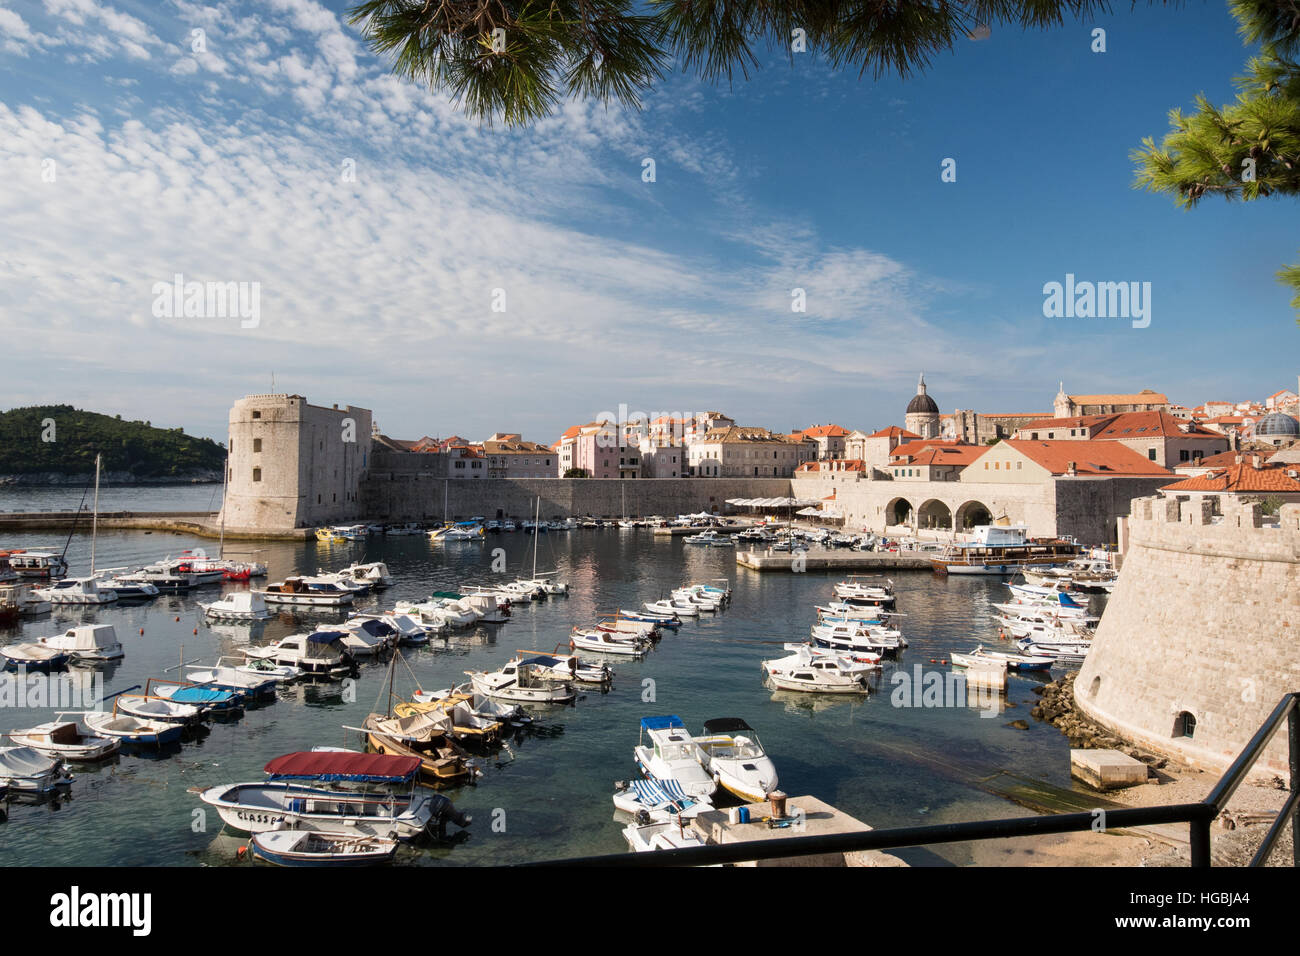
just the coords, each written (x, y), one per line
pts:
(675, 295)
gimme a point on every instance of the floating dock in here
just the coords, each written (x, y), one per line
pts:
(831, 561)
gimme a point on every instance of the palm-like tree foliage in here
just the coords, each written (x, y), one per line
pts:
(1249, 149)
(618, 49)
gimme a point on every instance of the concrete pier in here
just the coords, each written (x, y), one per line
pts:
(203, 524)
(831, 561)
(810, 817)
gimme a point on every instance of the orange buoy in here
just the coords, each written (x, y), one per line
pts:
(142, 630)
(196, 630)
(178, 618)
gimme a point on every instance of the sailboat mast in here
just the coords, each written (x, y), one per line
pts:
(536, 534)
(94, 521)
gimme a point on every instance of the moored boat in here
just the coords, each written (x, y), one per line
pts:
(321, 848)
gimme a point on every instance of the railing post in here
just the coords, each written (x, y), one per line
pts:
(1293, 725)
(1200, 840)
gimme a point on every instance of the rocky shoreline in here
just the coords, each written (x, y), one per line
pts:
(1056, 707)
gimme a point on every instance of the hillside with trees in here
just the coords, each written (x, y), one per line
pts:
(50, 442)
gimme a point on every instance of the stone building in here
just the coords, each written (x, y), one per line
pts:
(508, 456)
(1159, 436)
(1198, 641)
(293, 464)
(739, 452)
(922, 413)
(1074, 406)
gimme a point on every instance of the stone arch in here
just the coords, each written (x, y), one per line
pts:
(934, 514)
(898, 511)
(973, 513)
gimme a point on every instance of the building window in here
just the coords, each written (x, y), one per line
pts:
(1184, 455)
(257, 474)
(257, 445)
(1185, 725)
(257, 414)
(1151, 453)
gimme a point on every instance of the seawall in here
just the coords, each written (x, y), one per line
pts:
(1203, 623)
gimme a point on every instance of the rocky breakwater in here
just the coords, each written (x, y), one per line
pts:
(1057, 708)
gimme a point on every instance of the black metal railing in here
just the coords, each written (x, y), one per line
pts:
(1198, 817)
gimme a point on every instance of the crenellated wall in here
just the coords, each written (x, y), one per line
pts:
(1204, 621)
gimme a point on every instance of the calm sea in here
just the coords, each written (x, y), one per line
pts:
(548, 796)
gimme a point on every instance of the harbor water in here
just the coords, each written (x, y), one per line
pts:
(896, 758)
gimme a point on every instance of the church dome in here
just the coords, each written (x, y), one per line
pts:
(1278, 425)
(922, 404)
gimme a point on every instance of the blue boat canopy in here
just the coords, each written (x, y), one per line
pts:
(661, 723)
(325, 637)
(377, 628)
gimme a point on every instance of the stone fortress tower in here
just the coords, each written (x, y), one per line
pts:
(1198, 642)
(922, 413)
(294, 465)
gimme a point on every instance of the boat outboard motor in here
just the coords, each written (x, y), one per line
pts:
(444, 810)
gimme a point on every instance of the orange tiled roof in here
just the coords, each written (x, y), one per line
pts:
(1144, 397)
(1095, 458)
(938, 453)
(1242, 479)
(823, 431)
(893, 431)
(1226, 459)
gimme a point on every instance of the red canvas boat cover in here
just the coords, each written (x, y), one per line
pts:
(340, 765)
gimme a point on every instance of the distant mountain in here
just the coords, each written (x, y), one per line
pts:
(58, 444)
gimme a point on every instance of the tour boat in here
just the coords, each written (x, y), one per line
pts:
(1003, 550)
(132, 730)
(369, 794)
(66, 739)
(734, 756)
(87, 644)
(34, 656)
(320, 653)
(300, 591)
(606, 642)
(521, 682)
(666, 752)
(657, 802)
(321, 848)
(77, 591)
(25, 770)
(647, 837)
(36, 564)
(238, 606)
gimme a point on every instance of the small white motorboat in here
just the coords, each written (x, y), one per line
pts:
(234, 679)
(321, 848)
(735, 757)
(23, 769)
(77, 591)
(132, 730)
(34, 656)
(660, 802)
(90, 643)
(300, 591)
(666, 753)
(238, 606)
(521, 682)
(818, 675)
(568, 667)
(606, 642)
(374, 574)
(159, 710)
(67, 740)
(675, 608)
(320, 652)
